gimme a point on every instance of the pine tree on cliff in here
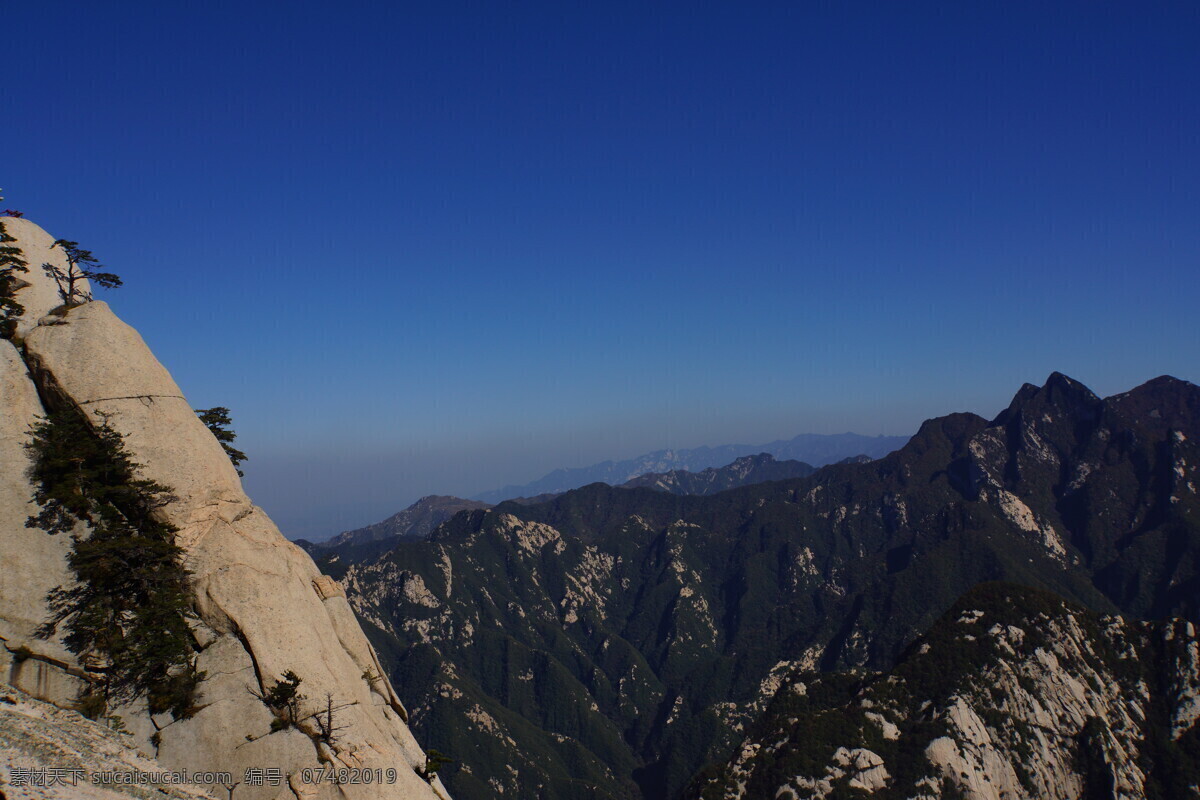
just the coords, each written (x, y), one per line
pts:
(218, 420)
(129, 608)
(10, 264)
(81, 265)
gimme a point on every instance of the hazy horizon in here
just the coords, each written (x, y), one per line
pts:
(441, 249)
(360, 500)
(368, 487)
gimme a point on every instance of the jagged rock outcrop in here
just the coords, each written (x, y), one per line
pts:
(263, 606)
(1013, 694)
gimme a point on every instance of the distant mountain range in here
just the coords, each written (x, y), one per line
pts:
(416, 521)
(609, 643)
(744, 471)
(422, 517)
(811, 448)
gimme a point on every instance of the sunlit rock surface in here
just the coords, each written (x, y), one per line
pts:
(1014, 694)
(49, 753)
(264, 607)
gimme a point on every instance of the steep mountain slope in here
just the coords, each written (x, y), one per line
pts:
(742, 472)
(811, 448)
(262, 608)
(415, 522)
(641, 631)
(1014, 693)
(419, 520)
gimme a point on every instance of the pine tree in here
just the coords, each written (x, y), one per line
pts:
(434, 761)
(131, 602)
(218, 421)
(10, 264)
(81, 264)
(284, 698)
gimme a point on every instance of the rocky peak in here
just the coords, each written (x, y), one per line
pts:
(1042, 424)
(416, 521)
(938, 442)
(1057, 396)
(1165, 403)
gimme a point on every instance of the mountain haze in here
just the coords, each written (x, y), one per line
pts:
(422, 517)
(625, 637)
(415, 522)
(811, 448)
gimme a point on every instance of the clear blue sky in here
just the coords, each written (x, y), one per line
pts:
(442, 247)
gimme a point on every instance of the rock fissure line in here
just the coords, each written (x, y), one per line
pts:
(149, 397)
(258, 676)
(66, 667)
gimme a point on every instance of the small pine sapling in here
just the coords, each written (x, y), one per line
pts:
(433, 762)
(284, 698)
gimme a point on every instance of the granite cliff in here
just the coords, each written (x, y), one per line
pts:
(262, 607)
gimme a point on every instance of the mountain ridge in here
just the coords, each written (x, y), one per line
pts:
(668, 614)
(811, 448)
(422, 517)
(743, 471)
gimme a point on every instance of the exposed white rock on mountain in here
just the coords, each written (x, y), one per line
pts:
(34, 734)
(1016, 694)
(263, 605)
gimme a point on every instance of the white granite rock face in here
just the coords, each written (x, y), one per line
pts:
(1053, 694)
(41, 295)
(1010, 726)
(264, 606)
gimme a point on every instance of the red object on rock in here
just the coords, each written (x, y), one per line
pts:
(8, 212)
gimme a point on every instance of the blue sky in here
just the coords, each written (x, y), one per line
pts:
(444, 247)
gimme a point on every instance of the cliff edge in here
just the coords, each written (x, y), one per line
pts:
(263, 607)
